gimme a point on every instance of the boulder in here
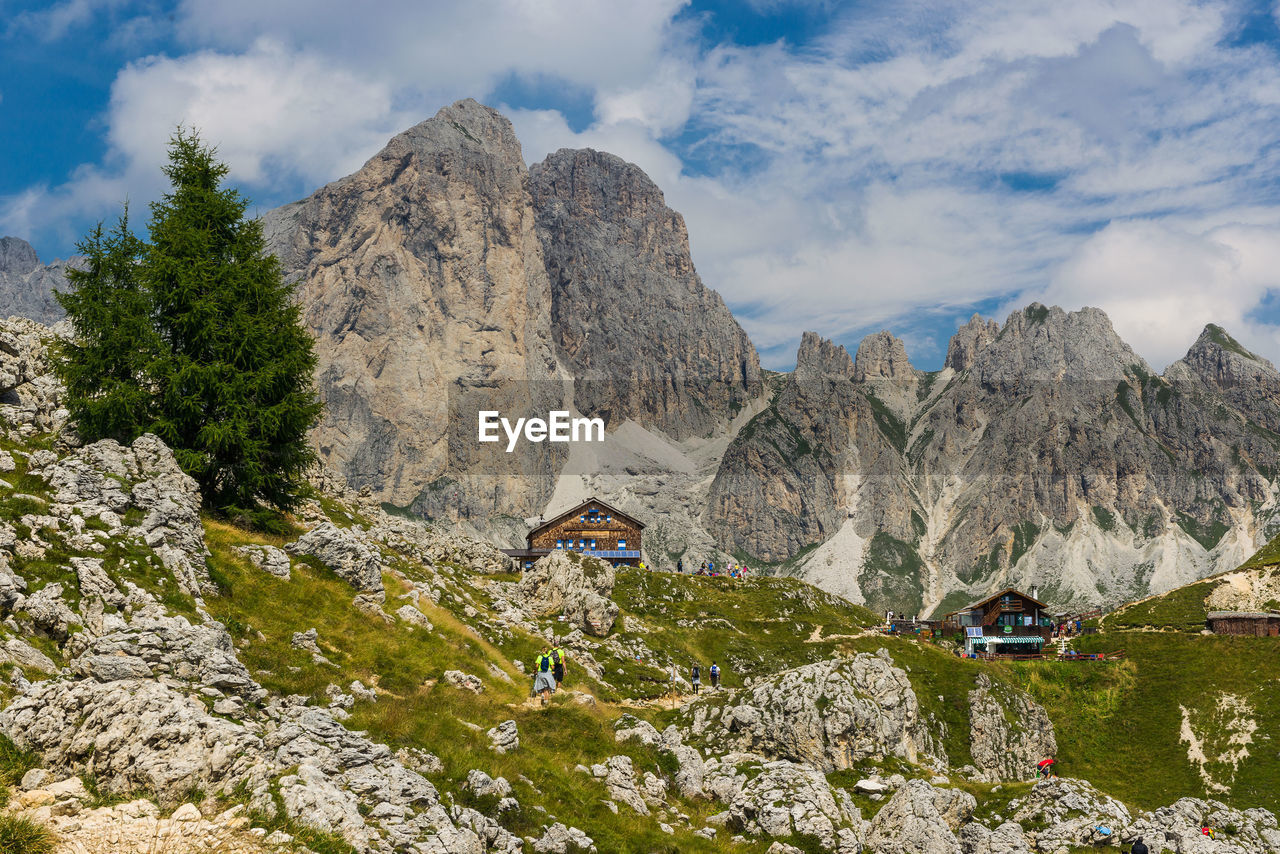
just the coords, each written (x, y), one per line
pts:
(558, 839)
(269, 559)
(346, 551)
(574, 585)
(504, 738)
(628, 727)
(464, 681)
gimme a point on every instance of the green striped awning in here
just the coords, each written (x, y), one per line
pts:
(1012, 639)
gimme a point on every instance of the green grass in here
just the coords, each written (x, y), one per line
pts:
(891, 575)
(1118, 724)
(23, 836)
(1268, 555)
(1182, 609)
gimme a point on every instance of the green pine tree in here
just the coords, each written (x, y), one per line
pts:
(104, 368)
(195, 337)
(234, 394)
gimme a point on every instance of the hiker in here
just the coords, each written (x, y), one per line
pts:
(674, 676)
(544, 680)
(558, 659)
(1139, 847)
(1044, 768)
(715, 676)
(680, 566)
(695, 676)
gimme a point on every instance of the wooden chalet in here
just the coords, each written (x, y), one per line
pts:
(1008, 623)
(592, 528)
(1261, 624)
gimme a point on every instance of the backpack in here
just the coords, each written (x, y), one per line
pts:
(555, 656)
(544, 663)
(695, 671)
(715, 670)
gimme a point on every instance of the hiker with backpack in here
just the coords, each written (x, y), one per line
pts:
(544, 680)
(558, 659)
(715, 676)
(695, 677)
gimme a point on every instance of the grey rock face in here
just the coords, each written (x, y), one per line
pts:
(27, 286)
(1008, 732)
(785, 799)
(644, 337)
(920, 819)
(1046, 453)
(574, 585)
(970, 340)
(421, 276)
(559, 839)
(346, 552)
(831, 715)
(1067, 812)
(158, 646)
(785, 470)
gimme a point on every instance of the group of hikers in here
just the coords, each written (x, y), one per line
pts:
(549, 667)
(695, 677)
(709, 568)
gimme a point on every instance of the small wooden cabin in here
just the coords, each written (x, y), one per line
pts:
(1009, 622)
(592, 528)
(1261, 624)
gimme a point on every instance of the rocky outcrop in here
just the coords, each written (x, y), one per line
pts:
(1008, 732)
(831, 715)
(27, 286)
(347, 552)
(643, 337)
(1177, 827)
(422, 278)
(786, 799)
(574, 585)
(921, 819)
(1067, 813)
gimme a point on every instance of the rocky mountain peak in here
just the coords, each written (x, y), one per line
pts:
(422, 276)
(465, 122)
(1045, 342)
(819, 357)
(1221, 360)
(26, 285)
(970, 340)
(643, 337)
(883, 356)
(17, 256)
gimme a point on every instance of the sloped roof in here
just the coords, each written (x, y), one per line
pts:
(578, 509)
(1003, 592)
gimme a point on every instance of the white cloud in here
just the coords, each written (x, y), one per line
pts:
(1160, 284)
(918, 155)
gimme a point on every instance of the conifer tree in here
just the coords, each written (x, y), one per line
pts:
(234, 395)
(195, 337)
(104, 367)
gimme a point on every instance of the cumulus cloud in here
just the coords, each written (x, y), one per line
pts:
(913, 160)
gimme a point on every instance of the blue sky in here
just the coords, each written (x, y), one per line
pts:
(843, 167)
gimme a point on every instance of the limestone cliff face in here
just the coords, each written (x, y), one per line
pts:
(27, 286)
(784, 483)
(1047, 453)
(643, 337)
(422, 278)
